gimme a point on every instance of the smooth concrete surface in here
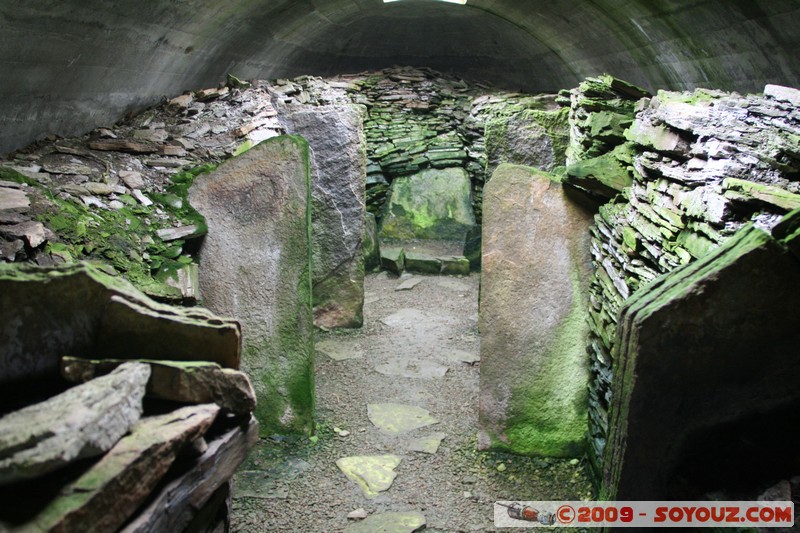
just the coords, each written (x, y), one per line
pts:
(72, 65)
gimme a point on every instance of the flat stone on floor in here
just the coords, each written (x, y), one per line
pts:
(408, 522)
(428, 444)
(408, 284)
(453, 284)
(461, 356)
(404, 317)
(372, 473)
(412, 369)
(339, 350)
(396, 418)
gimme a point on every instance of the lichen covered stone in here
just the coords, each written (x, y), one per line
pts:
(433, 204)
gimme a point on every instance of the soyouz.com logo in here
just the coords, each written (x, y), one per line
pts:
(643, 514)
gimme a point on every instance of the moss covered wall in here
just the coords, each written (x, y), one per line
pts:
(690, 171)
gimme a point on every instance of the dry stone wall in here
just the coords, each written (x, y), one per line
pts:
(698, 166)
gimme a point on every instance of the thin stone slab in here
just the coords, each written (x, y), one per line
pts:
(84, 421)
(453, 285)
(428, 444)
(395, 522)
(418, 369)
(114, 488)
(78, 309)
(339, 350)
(396, 418)
(13, 200)
(686, 385)
(404, 317)
(409, 284)
(372, 473)
(185, 495)
(338, 177)
(533, 316)
(178, 381)
(461, 356)
(256, 266)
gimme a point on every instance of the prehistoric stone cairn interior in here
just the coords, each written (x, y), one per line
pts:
(626, 239)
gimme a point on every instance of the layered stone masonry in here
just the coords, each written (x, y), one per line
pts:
(700, 166)
(118, 193)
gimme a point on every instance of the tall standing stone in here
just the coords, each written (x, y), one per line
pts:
(255, 265)
(338, 181)
(535, 272)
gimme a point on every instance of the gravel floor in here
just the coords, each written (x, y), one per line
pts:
(295, 485)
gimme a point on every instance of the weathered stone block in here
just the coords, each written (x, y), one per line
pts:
(424, 263)
(433, 204)
(606, 175)
(533, 316)
(183, 498)
(393, 260)
(84, 421)
(455, 266)
(338, 177)
(78, 310)
(104, 497)
(701, 351)
(177, 381)
(256, 266)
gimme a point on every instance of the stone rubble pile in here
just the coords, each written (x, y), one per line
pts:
(119, 443)
(118, 194)
(700, 165)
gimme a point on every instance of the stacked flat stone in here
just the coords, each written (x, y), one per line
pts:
(118, 194)
(414, 122)
(601, 109)
(702, 164)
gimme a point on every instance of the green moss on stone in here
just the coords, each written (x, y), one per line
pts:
(559, 389)
(9, 174)
(769, 194)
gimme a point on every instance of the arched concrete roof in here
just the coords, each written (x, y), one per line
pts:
(69, 65)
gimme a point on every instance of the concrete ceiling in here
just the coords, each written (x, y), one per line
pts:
(69, 65)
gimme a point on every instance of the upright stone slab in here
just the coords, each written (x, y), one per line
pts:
(255, 266)
(338, 178)
(533, 309)
(706, 373)
(433, 204)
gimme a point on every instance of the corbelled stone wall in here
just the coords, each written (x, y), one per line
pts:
(691, 170)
